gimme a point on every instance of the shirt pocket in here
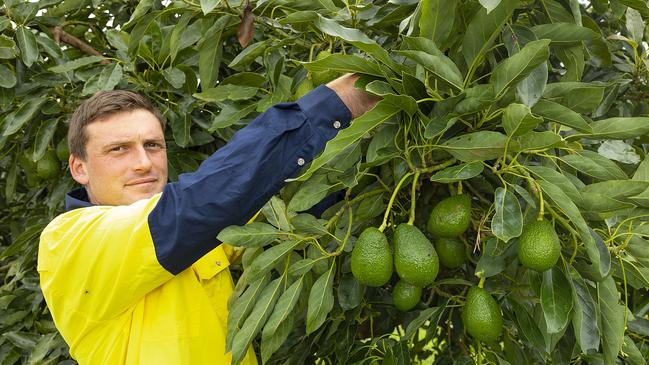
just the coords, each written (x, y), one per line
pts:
(211, 264)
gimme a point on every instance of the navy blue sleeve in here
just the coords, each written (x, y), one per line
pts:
(237, 180)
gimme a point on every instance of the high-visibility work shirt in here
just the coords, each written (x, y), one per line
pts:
(148, 283)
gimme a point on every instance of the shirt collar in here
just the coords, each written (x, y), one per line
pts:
(77, 198)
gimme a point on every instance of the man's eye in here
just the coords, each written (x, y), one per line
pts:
(117, 149)
(153, 145)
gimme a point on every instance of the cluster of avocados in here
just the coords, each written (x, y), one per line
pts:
(416, 261)
(48, 167)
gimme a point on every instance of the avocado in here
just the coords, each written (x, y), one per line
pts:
(405, 296)
(451, 252)
(538, 246)
(450, 217)
(415, 258)
(481, 315)
(372, 258)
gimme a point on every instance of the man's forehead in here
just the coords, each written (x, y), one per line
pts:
(126, 126)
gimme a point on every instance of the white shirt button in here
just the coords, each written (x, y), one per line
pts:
(337, 124)
(300, 161)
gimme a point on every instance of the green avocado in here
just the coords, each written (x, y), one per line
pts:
(450, 217)
(481, 315)
(405, 296)
(415, 258)
(372, 258)
(538, 246)
(451, 252)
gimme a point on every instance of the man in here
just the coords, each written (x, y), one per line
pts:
(132, 273)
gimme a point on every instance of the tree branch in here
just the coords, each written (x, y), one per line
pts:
(61, 35)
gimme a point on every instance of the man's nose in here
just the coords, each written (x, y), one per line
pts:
(142, 160)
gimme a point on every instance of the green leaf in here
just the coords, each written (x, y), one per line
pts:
(321, 300)
(175, 77)
(518, 66)
(269, 258)
(518, 119)
(230, 114)
(584, 314)
(10, 187)
(595, 248)
(27, 44)
(638, 5)
(276, 214)
(14, 121)
(208, 5)
(617, 189)
(345, 63)
(43, 138)
(611, 319)
(484, 28)
(490, 4)
(477, 146)
(75, 64)
(619, 128)
(507, 222)
(309, 224)
(437, 18)
(530, 89)
(283, 310)
(537, 141)
(620, 151)
(141, 10)
(7, 77)
(564, 33)
(440, 66)
(110, 76)
(562, 115)
(301, 267)
(457, 173)
(558, 179)
(357, 39)
(7, 47)
(642, 172)
(256, 320)
(248, 55)
(633, 354)
(431, 315)
(255, 234)
(242, 306)
(180, 126)
(227, 92)
(349, 292)
(381, 146)
(310, 193)
(556, 300)
(595, 165)
(494, 258)
(382, 112)
(42, 348)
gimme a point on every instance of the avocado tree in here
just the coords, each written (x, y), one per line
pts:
(493, 204)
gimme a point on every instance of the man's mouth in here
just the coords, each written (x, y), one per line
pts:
(142, 181)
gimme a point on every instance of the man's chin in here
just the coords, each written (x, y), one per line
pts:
(135, 196)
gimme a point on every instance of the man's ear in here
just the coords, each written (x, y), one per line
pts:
(78, 169)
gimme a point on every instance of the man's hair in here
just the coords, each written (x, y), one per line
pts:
(102, 105)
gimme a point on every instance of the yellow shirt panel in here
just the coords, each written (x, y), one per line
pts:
(115, 304)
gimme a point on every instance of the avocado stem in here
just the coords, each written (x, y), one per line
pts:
(413, 195)
(394, 195)
(481, 283)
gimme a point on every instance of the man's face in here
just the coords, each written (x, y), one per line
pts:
(126, 159)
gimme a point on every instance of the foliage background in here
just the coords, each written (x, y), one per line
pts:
(186, 56)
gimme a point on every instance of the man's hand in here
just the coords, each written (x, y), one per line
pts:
(358, 101)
